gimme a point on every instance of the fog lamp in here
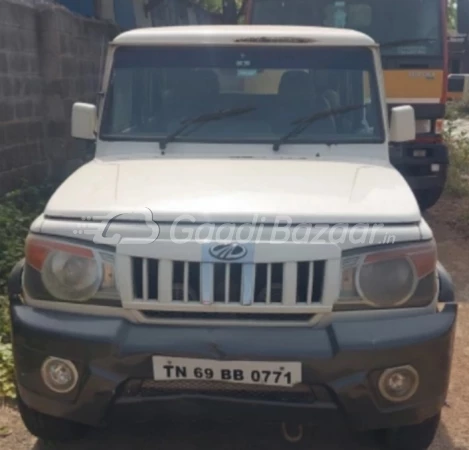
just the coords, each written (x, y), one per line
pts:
(399, 384)
(435, 168)
(59, 375)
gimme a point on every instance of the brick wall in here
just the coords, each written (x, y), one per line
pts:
(49, 58)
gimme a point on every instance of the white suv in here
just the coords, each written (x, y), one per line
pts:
(240, 245)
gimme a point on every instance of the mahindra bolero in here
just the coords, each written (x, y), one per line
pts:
(240, 246)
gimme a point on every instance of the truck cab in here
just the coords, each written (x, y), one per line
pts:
(235, 250)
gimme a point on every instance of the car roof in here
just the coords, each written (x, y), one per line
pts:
(244, 34)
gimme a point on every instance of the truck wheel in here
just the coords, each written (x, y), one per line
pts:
(428, 197)
(48, 428)
(413, 437)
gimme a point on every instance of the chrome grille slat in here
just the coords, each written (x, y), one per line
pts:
(145, 279)
(207, 280)
(248, 283)
(268, 293)
(309, 297)
(165, 276)
(227, 282)
(188, 283)
(289, 283)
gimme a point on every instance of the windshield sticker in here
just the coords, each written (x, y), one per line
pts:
(243, 62)
(247, 73)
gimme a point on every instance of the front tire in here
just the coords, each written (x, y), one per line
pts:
(48, 428)
(412, 437)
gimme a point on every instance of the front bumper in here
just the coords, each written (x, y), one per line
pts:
(418, 170)
(340, 363)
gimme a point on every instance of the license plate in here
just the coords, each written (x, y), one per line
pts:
(241, 372)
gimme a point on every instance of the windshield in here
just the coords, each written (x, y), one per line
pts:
(242, 94)
(416, 22)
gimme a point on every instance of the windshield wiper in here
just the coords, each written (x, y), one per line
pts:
(202, 119)
(399, 42)
(305, 122)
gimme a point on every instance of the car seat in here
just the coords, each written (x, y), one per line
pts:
(297, 100)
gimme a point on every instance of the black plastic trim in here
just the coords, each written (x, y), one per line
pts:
(14, 283)
(446, 294)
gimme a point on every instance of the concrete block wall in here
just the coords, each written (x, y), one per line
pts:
(49, 58)
(21, 131)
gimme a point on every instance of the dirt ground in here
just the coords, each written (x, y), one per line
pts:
(454, 431)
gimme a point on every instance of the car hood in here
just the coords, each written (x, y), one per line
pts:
(235, 190)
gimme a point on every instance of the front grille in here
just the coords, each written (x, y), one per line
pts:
(301, 393)
(230, 283)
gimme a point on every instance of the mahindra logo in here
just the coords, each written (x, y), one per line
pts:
(228, 252)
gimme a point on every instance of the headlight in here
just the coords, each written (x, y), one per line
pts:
(386, 283)
(398, 276)
(72, 277)
(57, 270)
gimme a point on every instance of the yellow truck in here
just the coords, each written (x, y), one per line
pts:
(412, 35)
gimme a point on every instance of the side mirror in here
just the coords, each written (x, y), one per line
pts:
(463, 16)
(403, 126)
(84, 120)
